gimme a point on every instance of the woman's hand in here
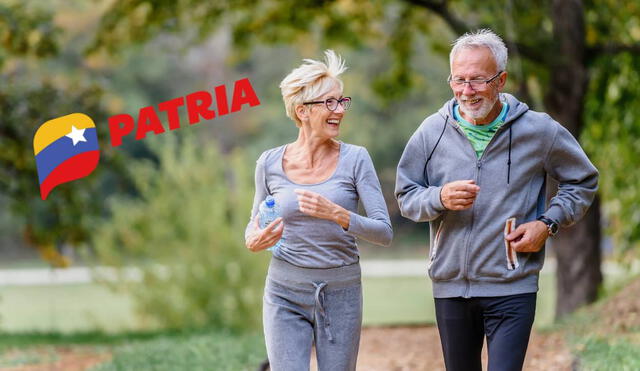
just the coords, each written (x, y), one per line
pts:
(267, 237)
(318, 206)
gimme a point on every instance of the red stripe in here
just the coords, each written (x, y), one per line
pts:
(74, 168)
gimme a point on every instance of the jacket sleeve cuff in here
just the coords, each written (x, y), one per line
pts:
(378, 232)
(556, 214)
(433, 199)
(355, 224)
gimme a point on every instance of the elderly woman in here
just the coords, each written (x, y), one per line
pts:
(313, 291)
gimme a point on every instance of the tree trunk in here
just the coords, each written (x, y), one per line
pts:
(577, 249)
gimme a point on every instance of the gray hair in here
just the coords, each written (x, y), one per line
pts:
(310, 81)
(482, 38)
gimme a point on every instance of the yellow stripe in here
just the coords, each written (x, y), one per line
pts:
(52, 130)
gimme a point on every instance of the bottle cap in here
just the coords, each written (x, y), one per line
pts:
(270, 201)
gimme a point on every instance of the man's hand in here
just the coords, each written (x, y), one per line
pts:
(528, 237)
(267, 237)
(459, 195)
(318, 206)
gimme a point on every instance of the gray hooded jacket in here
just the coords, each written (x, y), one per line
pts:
(468, 256)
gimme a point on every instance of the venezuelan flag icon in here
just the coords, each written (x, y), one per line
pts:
(66, 149)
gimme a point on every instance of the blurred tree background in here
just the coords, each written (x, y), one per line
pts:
(181, 229)
(577, 60)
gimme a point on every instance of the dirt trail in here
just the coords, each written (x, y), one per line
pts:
(418, 349)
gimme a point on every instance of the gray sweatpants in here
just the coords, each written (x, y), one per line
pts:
(303, 306)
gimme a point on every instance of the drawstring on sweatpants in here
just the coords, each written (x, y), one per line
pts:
(320, 309)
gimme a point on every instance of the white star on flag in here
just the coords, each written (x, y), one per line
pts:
(77, 135)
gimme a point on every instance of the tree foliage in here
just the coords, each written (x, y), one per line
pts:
(613, 140)
(62, 218)
(26, 31)
(183, 231)
(29, 97)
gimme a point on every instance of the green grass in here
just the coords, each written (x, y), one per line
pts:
(397, 300)
(599, 347)
(28, 339)
(66, 308)
(160, 350)
(597, 350)
(602, 354)
(223, 351)
(28, 357)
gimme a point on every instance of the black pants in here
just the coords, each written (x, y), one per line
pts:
(505, 320)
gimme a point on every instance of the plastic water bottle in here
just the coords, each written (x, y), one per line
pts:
(269, 211)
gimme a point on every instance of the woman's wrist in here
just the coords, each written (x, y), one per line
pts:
(342, 217)
(252, 242)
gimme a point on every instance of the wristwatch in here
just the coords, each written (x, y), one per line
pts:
(552, 226)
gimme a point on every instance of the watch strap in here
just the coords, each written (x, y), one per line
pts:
(552, 225)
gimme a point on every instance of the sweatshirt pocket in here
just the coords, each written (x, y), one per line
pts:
(494, 259)
(445, 258)
(434, 249)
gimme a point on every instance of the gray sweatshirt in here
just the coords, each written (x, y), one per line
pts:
(467, 257)
(311, 242)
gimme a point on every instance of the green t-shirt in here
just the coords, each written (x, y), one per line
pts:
(480, 135)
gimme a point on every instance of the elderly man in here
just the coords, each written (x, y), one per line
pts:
(475, 170)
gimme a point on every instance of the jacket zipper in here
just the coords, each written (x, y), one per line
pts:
(465, 272)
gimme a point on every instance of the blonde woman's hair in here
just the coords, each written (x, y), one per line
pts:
(310, 81)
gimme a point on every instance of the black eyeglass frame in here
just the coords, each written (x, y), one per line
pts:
(460, 83)
(338, 102)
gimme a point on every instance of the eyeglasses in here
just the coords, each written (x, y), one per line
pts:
(332, 103)
(479, 84)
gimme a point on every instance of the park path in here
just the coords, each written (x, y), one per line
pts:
(418, 349)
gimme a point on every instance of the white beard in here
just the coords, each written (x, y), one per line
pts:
(476, 113)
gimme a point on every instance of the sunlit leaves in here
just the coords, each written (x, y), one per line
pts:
(26, 31)
(612, 139)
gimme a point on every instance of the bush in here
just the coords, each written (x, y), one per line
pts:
(185, 232)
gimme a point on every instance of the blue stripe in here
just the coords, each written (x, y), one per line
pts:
(63, 149)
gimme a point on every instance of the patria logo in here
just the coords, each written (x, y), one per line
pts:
(66, 148)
